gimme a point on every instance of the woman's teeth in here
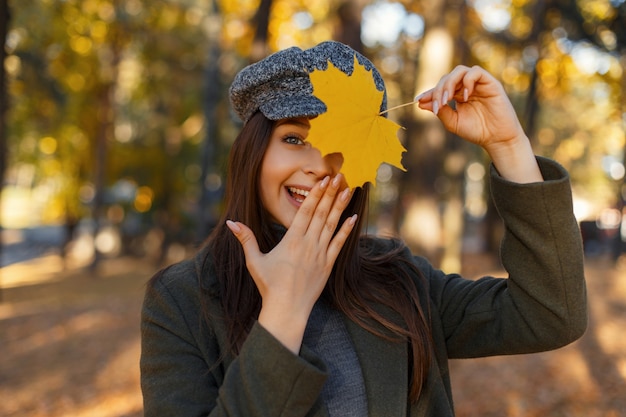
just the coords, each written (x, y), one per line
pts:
(296, 192)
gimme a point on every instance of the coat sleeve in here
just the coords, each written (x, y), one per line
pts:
(184, 374)
(542, 304)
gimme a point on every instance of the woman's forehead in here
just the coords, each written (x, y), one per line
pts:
(297, 121)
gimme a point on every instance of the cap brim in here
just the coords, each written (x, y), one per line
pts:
(292, 106)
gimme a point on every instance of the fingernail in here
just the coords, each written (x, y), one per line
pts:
(345, 194)
(445, 98)
(324, 182)
(352, 220)
(234, 227)
(465, 94)
(336, 180)
(435, 107)
(418, 97)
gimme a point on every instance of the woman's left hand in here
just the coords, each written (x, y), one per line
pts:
(483, 115)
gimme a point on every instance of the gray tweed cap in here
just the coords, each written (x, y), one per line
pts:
(279, 86)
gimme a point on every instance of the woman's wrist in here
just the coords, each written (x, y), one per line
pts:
(287, 328)
(515, 161)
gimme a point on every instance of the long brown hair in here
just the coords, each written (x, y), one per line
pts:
(362, 278)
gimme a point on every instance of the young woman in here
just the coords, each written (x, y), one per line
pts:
(289, 310)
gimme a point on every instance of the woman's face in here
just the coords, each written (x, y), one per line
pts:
(290, 169)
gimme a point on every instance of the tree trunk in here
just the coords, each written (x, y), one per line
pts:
(211, 193)
(262, 21)
(4, 105)
(106, 112)
(619, 244)
(348, 30)
(4, 29)
(100, 160)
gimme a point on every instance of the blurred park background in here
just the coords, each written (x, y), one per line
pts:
(114, 130)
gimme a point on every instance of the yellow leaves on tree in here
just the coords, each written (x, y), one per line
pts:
(352, 124)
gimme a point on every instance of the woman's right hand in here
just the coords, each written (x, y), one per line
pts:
(291, 277)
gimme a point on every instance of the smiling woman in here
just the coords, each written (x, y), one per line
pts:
(291, 309)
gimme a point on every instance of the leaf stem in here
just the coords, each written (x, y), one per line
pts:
(396, 107)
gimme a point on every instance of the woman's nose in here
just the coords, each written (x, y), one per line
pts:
(334, 161)
(322, 166)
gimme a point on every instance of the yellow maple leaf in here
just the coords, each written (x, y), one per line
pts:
(352, 124)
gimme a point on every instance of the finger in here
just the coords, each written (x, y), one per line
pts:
(481, 83)
(305, 213)
(327, 212)
(470, 80)
(424, 97)
(340, 238)
(461, 84)
(449, 87)
(248, 242)
(339, 205)
(425, 100)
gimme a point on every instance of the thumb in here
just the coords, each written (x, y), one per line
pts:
(449, 118)
(246, 237)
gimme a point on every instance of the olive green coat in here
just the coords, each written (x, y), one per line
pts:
(541, 306)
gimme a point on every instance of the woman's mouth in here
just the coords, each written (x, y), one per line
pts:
(297, 194)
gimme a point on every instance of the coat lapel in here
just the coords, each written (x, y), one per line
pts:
(385, 371)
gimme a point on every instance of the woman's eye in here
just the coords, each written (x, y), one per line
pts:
(293, 140)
